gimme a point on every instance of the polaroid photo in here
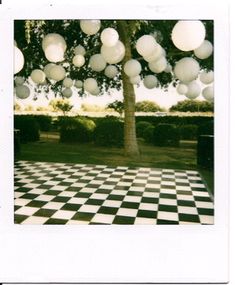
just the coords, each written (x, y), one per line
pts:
(114, 145)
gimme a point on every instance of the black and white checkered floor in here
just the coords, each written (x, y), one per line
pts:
(59, 193)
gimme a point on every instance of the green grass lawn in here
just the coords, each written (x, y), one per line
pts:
(49, 149)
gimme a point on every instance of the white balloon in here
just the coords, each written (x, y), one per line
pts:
(22, 91)
(47, 69)
(135, 80)
(207, 77)
(186, 69)
(150, 81)
(18, 60)
(109, 37)
(38, 76)
(96, 91)
(194, 90)
(54, 53)
(208, 93)
(111, 71)
(67, 92)
(158, 66)
(90, 27)
(204, 51)
(188, 35)
(90, 84)
(57, 73)
(114, 54)
(155, 55)
(182, 89)
(67, 82)
(19, 80)
(53, 39)
(79, 50)
(146, 45)
(132, 67)
(78, 84)
(168, 68)
(78, 60)
(97, 62)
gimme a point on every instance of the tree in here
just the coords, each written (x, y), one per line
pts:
(193, 106)
(147, 106)
(61, 105)
(29, 34)
(118, 106)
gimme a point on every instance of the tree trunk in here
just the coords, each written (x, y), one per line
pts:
(130, 140)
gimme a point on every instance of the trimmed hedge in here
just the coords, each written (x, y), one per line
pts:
(148, 134)
(45, 122)
(141, 127)
(28, 126)
(166, 135)
(188, 132)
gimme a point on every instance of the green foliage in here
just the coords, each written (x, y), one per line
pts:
(147, 106)
(193, 106)
(141, 127)
(188, 132)
(148, 134)
(205, 151)
(109, 132)
(45, 122)
(62, 105)
(117, 105)
(76, 129)
(166, 135)
(206, 128)
(91, 108)
(28, 126)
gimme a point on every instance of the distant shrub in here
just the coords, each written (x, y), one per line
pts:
(166, 135)
(28, 126)
(188, 132)
(141, 127)
(148, 134)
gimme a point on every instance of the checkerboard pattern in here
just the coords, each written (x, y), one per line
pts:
(59, 193)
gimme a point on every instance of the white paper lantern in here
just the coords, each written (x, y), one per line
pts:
(186, 69)
(168, 68)
(132, 67)
(67, 82)
(182, 89)
(19, 80)
(208, 93)
(90, 27)
(47, 69)
(97, 62)
(204, 51)
(135, 80)
(22, 91)
(146, 45)
(78, 60)
(207, 77)
(158, 66)
(111, 71)
(194, 90)
(54, 53)
(53, 39)
(67, 92)
(90, 84)
(38, 76)
(188, 35)
(109, 37)
(114, 54)
(150, 81)
(18, 60)
(79, 50)
(96, 91)
(78, 84)
(155, 55)
(57, 73)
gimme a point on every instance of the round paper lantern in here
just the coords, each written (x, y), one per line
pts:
(135, 80)
(158, 66)
(109, 37)
(188, 35)
(97, 62)
(207, 77)
(132, 67)
(18, 60)
(204, 51)
(79, 50)
(53, 39)
(90, 27)
(47, 69)
(67, 82)
(90, 84)
(22, 91)
(155, 55)
(150, 81)
(186, 69)
(57, 73)
(78, 84)
(114, 54)
(96, 91)
(54, 53)
(38, 76)
(67, 92)
(19, 80)
(111, 71)
(208, 93)
(182, 89)
(146, 45)
(168, 68)
(194, 90)
(78, 60)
